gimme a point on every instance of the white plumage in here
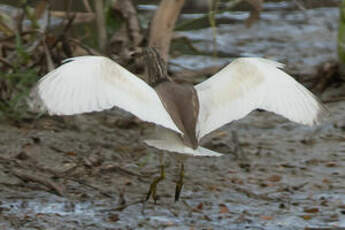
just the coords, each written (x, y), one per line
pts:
(91, 83)
(165, 139)
(254, 83)
(87, 84)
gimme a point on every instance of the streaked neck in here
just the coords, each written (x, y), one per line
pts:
(155, 66)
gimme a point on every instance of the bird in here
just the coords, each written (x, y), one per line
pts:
(183, 113)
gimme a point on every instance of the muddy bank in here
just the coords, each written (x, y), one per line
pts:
(285, 176)
(300, 39)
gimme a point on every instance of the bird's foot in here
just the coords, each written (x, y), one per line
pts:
(153, 187)
(179, 183)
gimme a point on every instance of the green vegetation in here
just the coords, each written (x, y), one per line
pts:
(341, 37)
(15, 84)
(15, 89)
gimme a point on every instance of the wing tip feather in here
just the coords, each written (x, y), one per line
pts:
(321, 115)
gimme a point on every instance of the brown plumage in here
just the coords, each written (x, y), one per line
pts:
(180, 100)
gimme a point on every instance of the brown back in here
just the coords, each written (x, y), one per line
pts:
(182, 104)
(180, 101)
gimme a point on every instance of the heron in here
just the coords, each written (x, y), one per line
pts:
(183, 113)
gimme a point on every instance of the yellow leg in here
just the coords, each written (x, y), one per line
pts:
(153, 187)
(179, 183)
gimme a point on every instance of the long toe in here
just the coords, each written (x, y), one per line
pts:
(153, 187)
(179, 183)
(178, 190)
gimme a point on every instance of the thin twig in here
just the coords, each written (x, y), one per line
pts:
(87, 5)
(333, 100)
(253, 195)
(128, 10)
(19, 20)
(124, 206)
(49, 60)
(29, 176)
(85, 47)
(213, 6)
(5, 62)
(90, 186)
(102, 33)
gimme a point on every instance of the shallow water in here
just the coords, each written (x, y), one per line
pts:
(300, 39)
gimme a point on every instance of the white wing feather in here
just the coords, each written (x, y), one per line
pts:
(247, 84)
(92, 83)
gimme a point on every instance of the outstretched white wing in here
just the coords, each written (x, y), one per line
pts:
(92, 83)
(247, 84)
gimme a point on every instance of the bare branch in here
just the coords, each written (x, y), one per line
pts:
(102, 33)
(87, 6)
(163, 24)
